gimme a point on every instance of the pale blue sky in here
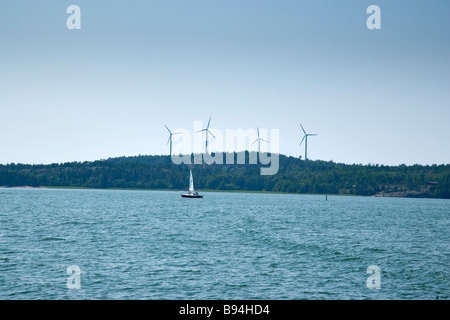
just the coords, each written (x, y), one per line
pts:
(373, 96)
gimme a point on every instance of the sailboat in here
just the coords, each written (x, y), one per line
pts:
(191, 193)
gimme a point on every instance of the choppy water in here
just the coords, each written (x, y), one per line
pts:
(157, 245)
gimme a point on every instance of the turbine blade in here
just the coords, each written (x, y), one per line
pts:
(254, 142)
(176, 133)
(302, 140)
(311, 134)
(258, 131)
(303, 129)
(264, 140)
(168, 129)
(207, 127)
(199, 131)
(210, 133)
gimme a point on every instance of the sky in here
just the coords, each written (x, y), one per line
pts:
(378, 96)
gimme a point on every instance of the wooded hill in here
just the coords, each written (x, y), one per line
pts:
(294, 176)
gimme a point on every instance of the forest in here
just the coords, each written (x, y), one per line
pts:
(294, 176)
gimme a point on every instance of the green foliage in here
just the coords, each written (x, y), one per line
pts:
(294, 176)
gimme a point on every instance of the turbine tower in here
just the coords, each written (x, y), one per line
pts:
(207, 131)
(259, 141)
(305, 137)
(170, 138)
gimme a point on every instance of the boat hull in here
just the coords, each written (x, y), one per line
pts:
(191, 196)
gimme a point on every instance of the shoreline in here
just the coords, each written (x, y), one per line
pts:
(21, 187)
(199, 190)
(384, 195)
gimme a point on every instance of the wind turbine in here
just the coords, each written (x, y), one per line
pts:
(305, 137)
(170, 138)
(207, 131)
(259, 141)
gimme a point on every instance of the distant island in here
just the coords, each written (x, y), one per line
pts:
(294, 176)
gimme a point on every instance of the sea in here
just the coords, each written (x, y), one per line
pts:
(78, 244)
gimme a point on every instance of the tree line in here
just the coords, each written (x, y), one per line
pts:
(294, 176)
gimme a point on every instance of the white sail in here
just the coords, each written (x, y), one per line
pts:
(191, 182)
